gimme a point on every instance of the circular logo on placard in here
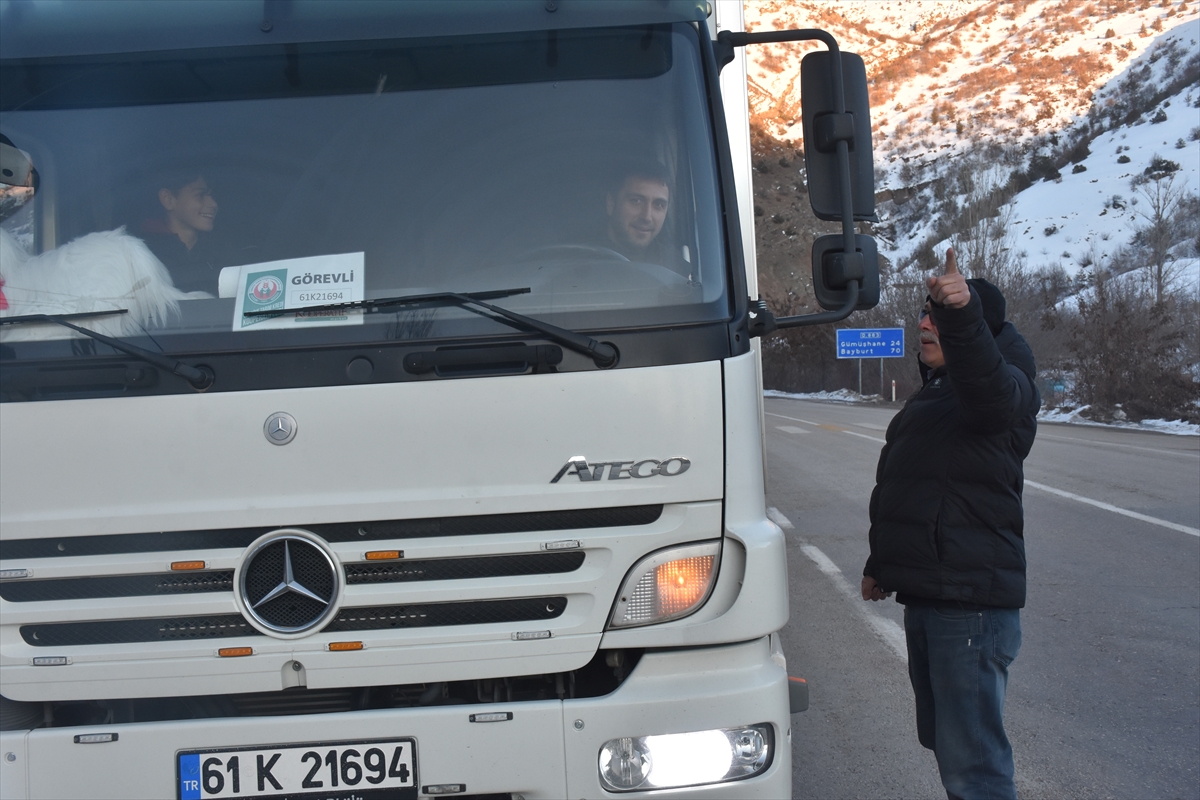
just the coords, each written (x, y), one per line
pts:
(265, 289)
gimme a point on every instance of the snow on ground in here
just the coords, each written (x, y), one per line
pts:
(1073, 416)
(1070, 416)
(839, 396)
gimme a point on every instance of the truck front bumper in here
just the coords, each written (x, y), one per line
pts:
(547, 749)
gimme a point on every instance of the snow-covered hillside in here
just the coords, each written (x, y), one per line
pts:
(1054, 143)
(987, 87)
(946, 74)
(1085, 213)
(1083, 217)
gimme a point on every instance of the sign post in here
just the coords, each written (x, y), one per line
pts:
(863, 343)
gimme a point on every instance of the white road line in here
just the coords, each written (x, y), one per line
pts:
(864, 436)
(790, 429)
(817, 425)
(891, 633)
(793, 419)
(1115, 509)
(1074, 440)
(779, 519)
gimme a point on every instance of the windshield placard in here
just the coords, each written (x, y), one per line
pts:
(292, 285)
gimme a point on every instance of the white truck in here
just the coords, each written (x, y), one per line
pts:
(399, 468)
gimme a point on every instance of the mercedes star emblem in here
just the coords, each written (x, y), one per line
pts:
(280, 428)
(288, 583)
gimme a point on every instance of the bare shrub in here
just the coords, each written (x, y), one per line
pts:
(1128, 351)
(1164, 199)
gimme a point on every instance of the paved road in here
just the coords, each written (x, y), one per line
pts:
(1104, 699)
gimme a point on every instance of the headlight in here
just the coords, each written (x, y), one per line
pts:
(666, 585)
(685, 759)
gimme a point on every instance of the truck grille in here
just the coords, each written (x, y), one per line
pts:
(119, 586)
(136, 630)
(169, 541)
(448, 569)
(524, 591)
(348, 619)
(433, 569)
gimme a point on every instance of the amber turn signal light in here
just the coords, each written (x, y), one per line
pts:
(682, 583)
(235, 652)
(667, 585)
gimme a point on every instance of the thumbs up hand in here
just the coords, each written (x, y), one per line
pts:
(949, 289)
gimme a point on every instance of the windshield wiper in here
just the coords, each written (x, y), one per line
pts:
(198, 378)
(605, 355)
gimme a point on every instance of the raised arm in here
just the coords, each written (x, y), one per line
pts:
(991, 392)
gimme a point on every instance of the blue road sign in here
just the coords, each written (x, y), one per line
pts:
(870, 343)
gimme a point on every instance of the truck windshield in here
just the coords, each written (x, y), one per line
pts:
(193, 186)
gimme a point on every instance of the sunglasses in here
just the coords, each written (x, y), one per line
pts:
(925, 309)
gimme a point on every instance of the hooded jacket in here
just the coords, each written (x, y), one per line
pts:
(947, 525)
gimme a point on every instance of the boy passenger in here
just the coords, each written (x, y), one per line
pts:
(178, 237)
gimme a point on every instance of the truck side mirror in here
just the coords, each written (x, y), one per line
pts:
(15, 167)
(841, 175)
(824, 127)
(833, 270)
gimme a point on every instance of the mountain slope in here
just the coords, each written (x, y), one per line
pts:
(980, 86)
(1008, 69)
(1052, 154)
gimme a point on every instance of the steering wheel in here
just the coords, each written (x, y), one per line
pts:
(596, 269)
(571, 251)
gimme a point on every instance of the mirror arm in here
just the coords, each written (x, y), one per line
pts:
(763, 322)
(742, 38)
(723, 48)
(727, 40)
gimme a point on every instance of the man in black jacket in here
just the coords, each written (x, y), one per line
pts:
(947, 527)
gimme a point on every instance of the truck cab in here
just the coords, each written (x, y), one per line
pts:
(381, 411)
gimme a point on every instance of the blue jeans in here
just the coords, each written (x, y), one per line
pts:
(958, 664)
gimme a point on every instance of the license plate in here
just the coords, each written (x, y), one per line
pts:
(326, 770)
